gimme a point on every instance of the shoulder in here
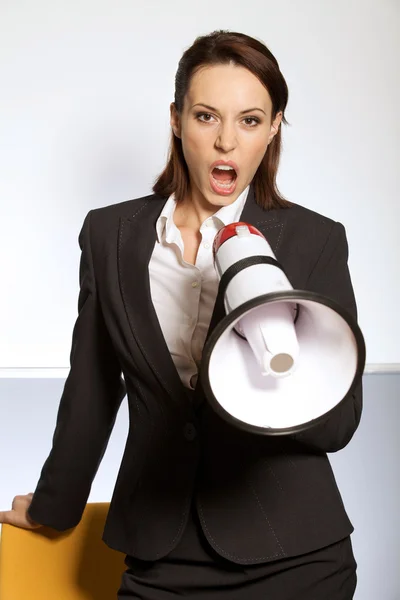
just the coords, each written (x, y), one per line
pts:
(105, 221)
(126, 209)
(310, 227)
(298, 214)
(309, 238)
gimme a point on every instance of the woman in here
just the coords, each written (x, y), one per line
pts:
(200, 508)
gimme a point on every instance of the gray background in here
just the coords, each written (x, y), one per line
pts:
(367, 470)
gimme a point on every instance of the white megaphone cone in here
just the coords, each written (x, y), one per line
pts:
(280, 359)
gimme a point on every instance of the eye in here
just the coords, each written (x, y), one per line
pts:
(206, 117)
(253, 121)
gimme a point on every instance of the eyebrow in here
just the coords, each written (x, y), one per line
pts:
(241, 112)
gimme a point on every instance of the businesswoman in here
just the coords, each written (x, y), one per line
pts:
(200, 508)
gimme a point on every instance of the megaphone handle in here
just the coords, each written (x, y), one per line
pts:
(227, 277)
(244, 263)
(219, 310)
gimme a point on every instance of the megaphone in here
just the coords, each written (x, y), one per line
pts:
(281, 359)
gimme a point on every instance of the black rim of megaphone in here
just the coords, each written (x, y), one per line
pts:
(289, 295)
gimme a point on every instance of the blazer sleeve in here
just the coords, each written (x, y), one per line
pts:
(91, 397)
(330, 276)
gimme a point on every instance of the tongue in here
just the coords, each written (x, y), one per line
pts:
(223, 176)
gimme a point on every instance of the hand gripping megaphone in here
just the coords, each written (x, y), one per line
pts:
(281, 359)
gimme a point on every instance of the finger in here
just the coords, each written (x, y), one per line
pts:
(6, 516)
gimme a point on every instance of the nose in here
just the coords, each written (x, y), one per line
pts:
(226, 138)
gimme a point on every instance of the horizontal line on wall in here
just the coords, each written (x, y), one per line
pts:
(62, 372)
(33, 372)
(382, 368)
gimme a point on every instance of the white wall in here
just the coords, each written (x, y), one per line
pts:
(84, 107)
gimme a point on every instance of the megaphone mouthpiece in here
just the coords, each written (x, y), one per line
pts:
(280, 365)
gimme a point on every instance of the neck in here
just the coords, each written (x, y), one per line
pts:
(194, 210)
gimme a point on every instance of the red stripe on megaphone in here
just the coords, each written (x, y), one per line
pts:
(229, 231)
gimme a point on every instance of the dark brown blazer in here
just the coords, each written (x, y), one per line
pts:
(259, 498)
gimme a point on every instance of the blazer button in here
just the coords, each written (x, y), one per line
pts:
(189, 431)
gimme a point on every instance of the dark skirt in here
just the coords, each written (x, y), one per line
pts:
(194, 570)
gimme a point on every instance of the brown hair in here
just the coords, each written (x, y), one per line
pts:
(223, 47)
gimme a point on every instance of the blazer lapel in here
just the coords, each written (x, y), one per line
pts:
(137, 237)
(271, 223)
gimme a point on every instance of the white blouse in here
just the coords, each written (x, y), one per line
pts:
(183, 295)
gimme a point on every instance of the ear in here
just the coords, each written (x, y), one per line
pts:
(275, 126)
(175, 120)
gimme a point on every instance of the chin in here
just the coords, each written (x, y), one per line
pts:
(217, 199)
(220, 199)
(224, 200)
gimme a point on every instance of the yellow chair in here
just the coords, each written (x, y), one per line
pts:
(44, 564)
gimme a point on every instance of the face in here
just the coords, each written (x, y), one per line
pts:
(226, 118)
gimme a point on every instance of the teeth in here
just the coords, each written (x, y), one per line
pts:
(224, 168)
(223, 185)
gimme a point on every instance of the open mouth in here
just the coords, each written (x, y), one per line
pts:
(223, 179)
